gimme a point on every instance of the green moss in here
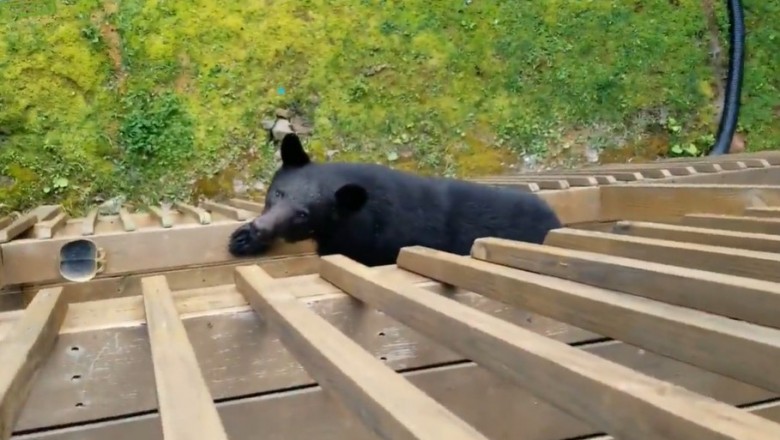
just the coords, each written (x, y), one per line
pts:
(157, 99)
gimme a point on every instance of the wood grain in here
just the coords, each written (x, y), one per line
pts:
(583, 385)
(503, 411)
(743, 298)
(150, 249)
(734, 223)
(163, 217)
(187, 410)
(739, 262)
(385, 402)
(24, 350)
(768, 212)
(663, 202)
(681, 333)
(700, 235)
(26, 221)
(226, 210)
(201, 215)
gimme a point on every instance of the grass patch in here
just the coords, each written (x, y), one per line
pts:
(157, 100)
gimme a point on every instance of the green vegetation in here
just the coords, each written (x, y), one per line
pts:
(153, 100)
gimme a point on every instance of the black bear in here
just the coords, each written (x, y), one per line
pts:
(369, 212)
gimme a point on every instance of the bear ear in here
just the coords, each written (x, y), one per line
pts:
(351, 197)
(293, 154)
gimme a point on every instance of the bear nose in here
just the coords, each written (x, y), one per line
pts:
(261, 231)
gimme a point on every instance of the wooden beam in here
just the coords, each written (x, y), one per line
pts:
(748, 299)
(768, 212)
(247, 205)
(524, 184)
(26, 221)
(150, 249)
(89, 222)
(670, 202)
(226, 210)
(186, 407)
(712, 237)
(740, 262)
(612, 397)
(687, 335)
(201, 215)
(734, 223)
(127, 220)
(163, 217)
(47, 228)
(384, 401)
(24, 350)
(521, 186)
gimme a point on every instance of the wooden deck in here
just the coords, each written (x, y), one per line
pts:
(654, 313)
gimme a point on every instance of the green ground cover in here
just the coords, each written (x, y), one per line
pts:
(160, 99)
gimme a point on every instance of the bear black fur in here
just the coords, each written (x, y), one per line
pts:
(369, 212)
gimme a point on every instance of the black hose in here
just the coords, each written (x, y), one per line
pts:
(728, 120)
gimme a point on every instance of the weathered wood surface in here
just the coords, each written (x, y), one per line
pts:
(187, 409)
(385, 402)
(24, 350)
(581, 384)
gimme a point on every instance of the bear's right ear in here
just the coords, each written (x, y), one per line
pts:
(351, 197)
(293, 155)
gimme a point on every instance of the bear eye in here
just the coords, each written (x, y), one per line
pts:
(301, 214)
(278, 194)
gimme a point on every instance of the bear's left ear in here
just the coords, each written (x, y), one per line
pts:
(351, 197)
(293, 154)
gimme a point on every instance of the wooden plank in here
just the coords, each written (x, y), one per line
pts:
(702, 167)
(24, 350)
(47, 228)
(670, 202)
(163, 217)
(734, 223)
(739, 262)
(89, 222)
(226, 210)
(575, 381)
(186, 408)
(747, 176)
(770, 156)
(655, 173)
(768, 212)
(7, 220)
(688, 335)
(713, 237)
(37, 261)
(199, 277)
(239, 356)
(575, 205)
(524, 184)
(384, 401)
(727, 295)
(571, 180)
(127, 220)
(247, 205)
(26, 221)
(621, 176)
(201, 215)
(502, 411)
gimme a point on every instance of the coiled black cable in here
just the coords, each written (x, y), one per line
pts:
(728, 120)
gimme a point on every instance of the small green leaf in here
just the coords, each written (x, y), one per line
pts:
(392, 156)
(692, 150)
(676, 149)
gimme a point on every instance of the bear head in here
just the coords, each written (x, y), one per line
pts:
(303, 200)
